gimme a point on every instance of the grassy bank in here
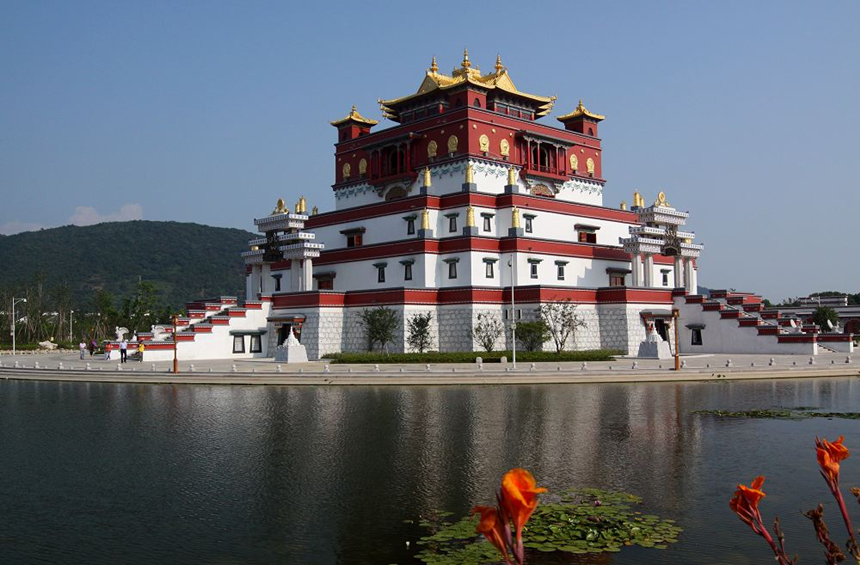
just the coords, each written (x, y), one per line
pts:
(471, 356)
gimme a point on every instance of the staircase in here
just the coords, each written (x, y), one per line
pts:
(737, 322)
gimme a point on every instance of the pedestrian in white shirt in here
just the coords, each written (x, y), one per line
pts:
(123, 350)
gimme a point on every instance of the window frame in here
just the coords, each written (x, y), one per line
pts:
(407, 271)
(258, 340)
(529, 223)
(240, 339)
(696, 336)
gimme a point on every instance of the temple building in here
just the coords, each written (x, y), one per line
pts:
(473, 192)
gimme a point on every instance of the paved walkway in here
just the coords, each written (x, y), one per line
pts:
(69, 367)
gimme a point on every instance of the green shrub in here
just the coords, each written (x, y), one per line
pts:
(470, 356)
(532, 334)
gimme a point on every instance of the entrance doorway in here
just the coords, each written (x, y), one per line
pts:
(660, 326)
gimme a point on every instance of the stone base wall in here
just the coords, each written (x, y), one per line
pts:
(334, 330)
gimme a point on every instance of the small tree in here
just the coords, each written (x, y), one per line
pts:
(532, 334)
(487, 331)
(822, 315)
(380, 325)
(419, 332)
(562, 321)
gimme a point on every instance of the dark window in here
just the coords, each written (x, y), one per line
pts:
(665, 279)
(410, 227)
(407, 272)
(587, 236)
(380, 274)
(256, 344)
(489, 270)
(534, 270)
(325, 284)
(353, 240)
(452, 224)
(477, 103)
(529, 226)
(560, 270)
(238, 344)
(277, 282)
(452, 269)
(697, 337)
(487, 223)
(616, 280)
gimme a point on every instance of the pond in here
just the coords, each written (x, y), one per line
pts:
(140, 474)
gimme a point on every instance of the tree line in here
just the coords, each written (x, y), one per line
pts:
(48, 315)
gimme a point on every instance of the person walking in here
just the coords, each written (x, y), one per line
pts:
(123, 350)
(140, 349)
(92, 347)
(83, 347)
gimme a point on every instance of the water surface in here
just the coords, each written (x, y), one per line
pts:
(139, 474)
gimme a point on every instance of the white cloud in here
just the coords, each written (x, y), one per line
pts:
(13, 227)
(87, 215)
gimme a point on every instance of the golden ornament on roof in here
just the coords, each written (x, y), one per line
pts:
(581, 111)
(466, 62)
(623, 204)
(515, 217)
(431, 148)
(589, 166)
(504, 148)
(661, 200)
(434, 68)
(280, 207)
(453, 142)
(303, 204)
(512, 176)
(315, 211)
(499, 67)
(354, 116)
(470, 217)
(484, 143)
(427, 177)
(469, 175)
(425, 219)
(574, 163)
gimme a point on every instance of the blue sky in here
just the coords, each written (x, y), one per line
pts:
(745, 113)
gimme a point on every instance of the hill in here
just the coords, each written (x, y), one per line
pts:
(185, 261)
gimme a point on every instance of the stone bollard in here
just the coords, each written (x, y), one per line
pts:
(480, 366)
(454, 370)
(210, 369)
(191, 367)
(584, 366)
(376, 368)
(635, 365)
(36, 365)
(301, 370)
(684, 364)
(610, 367)
(278, 369)
(152, 367)
(254, 370)
(233, 368)
(479, 361)
(326, 369)
(848, 359)
(60, 366)
(533, 367)
(350, 370)
(427, 368)
(503, 360)
(558, 368)
(707, 365)
(728, 362)
(812, 360)
(88, 366)
(771, 362)
(794, 362)
(833, 361)
(401, 369)
(133, 369)
(119, 368)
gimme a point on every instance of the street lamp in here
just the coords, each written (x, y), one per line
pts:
(675, 319)
(14, 302)
(71, 324)
(175, 361)
(513, 310)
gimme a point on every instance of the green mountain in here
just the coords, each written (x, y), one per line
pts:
(184, 261)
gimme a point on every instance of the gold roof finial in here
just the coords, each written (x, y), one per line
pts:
(512, 176)
(466, 62)
(499, 67)
(279, 207)
(515, 217)
(303, 204)
(623, 204)
(470, 217)
(434, 68)
(427, 177)
(425, 219)
(315, 211)
(470, 178)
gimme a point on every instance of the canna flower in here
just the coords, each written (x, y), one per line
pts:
(492, 526)
(829, 455)
(519, 498)
(746, 499)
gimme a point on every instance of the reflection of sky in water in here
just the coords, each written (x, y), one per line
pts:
(180, 474)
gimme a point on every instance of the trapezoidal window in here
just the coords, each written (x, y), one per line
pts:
(540, 157)
(477, 103)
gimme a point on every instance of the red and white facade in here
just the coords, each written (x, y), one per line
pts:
(467, 194)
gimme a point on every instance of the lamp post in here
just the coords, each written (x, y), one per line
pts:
(14, 302)
(512, 263)
(71, 324)
(677, 342)
(175, 361)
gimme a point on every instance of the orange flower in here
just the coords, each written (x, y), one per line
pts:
(829, 456)
(746, 499)
(519, 497)
(491, 526)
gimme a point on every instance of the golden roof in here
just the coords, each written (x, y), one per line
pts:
(581, 110)
(354, 116)
(468, 73)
